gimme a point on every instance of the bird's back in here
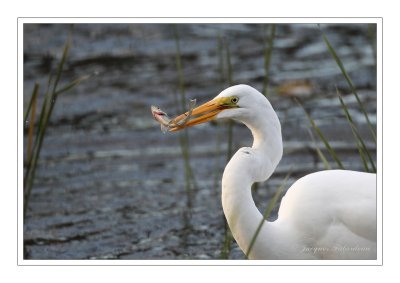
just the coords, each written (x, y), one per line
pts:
(333, 214)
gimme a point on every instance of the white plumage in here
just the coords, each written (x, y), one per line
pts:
(325, 215)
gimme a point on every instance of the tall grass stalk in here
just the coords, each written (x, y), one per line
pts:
(47, 109)
(48, 104)
(33, 97)
(321, 136)
(319, 152)
(228, 238)
(217, 176)
(230, 83)
(349, 82)
(190, 182)
(221, 61)
(266, 213)
(32, 105)
(220, 71)
(361, 147)
(372, 36)
(268, 46)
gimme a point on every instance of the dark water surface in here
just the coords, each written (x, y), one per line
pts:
(110, 185)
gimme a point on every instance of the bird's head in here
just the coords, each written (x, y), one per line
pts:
(239, 102)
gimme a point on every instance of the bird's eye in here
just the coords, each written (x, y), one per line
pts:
(234, 99)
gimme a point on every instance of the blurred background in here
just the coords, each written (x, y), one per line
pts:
(110, 185)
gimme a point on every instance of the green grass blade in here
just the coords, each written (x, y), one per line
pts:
(221, 71)
(362, 156)
(267, 212)
(362, 149)
(350, 83)
(43, 124)
(33, 97)
(322, 137)
(32, 161)
(227, 244)
(61, 64)
(217, 166)
(372, 36)
(45, 114)
(40, 125)
(32, 122)
(229, 66)
(230, 82)
(268, 46)
(190, 182)
(72, 84)
(221, 61)
(321, 155)
(228, 238)
(179, 68)
(45, 104)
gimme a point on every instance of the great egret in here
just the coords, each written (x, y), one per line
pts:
(324, 215)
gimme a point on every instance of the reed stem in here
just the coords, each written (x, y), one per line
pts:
(47, 108)
(190, 183)
(350, 83)
(267, 212)
(268, 46)
(321, 136)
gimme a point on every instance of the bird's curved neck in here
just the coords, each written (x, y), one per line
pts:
(246, 167)
(267, 148)
(267, 143)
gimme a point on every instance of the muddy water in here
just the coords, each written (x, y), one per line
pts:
(110, 185)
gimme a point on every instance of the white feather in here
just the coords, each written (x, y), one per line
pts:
(324, 215)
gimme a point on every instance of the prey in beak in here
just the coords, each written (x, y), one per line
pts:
(204, 113)
(166, 122)
(201, 114)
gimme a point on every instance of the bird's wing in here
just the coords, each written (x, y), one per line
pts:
(333, 207)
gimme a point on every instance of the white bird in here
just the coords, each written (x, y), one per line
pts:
(324, 215)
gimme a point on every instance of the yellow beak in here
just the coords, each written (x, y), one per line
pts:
(203, 113)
